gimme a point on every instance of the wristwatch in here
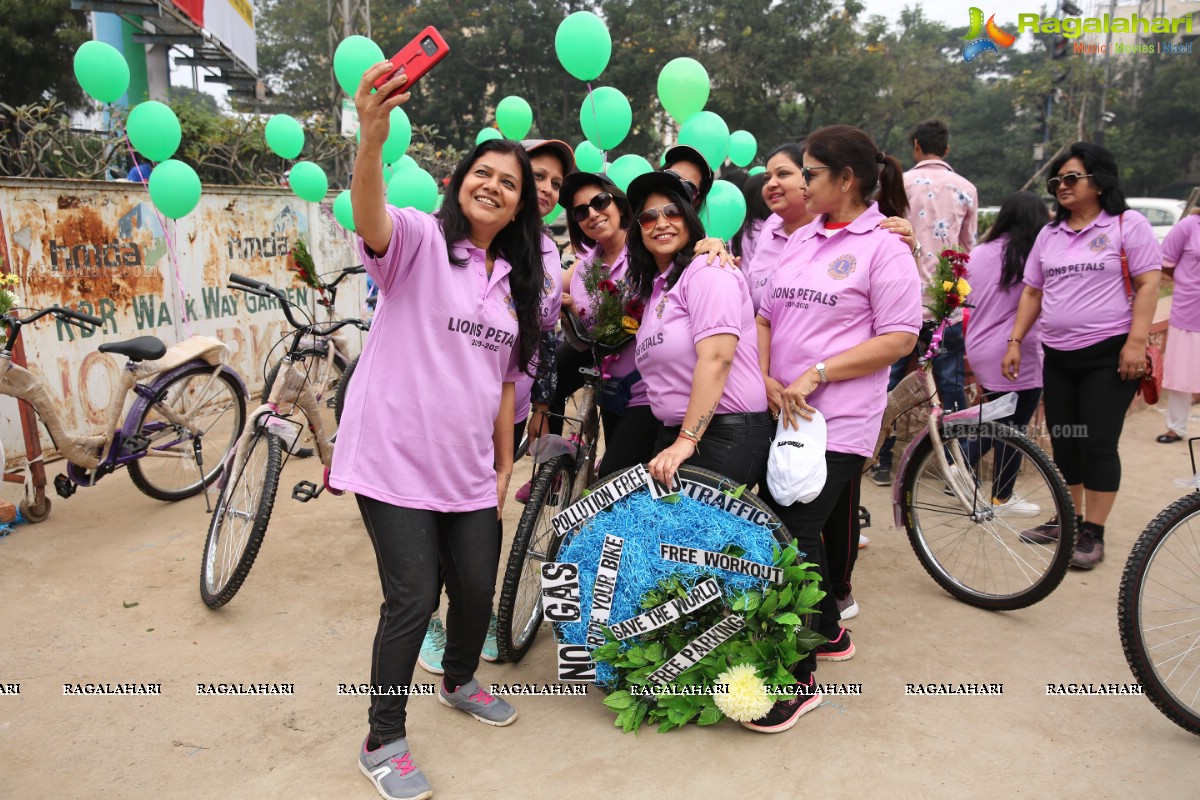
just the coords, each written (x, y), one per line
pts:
(820, 367)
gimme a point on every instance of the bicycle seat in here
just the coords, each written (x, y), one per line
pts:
(143, 348)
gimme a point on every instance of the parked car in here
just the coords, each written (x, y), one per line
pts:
(1162, 212)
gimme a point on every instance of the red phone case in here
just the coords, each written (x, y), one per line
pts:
(414, 60)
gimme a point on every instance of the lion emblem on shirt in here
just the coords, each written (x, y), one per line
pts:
(658, 309)
(842, 267)
(1099, 243)
(511, 305)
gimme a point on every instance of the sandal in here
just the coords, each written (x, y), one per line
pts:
(1170, 437)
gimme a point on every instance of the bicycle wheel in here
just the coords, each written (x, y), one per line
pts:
(168, 469)
(240, 519)
(324, 379)
(978, 555)
(339, 401)
(1158, 611)
(519, 612)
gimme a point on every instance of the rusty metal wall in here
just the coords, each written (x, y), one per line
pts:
(99, 247)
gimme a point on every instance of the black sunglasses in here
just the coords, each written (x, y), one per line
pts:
(1068, 180)
(692, 189)
(600, 202)
(649, 218)
(807, 172)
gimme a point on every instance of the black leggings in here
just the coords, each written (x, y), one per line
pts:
(410, 545)
(735, 445)
(628, 440)
(1085, 401)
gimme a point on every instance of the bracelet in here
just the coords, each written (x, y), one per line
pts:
(686, 434)
(1011, 340)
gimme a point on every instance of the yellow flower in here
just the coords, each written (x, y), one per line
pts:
(629, 324)
(947, 285)
(746, 697)
(964, 288)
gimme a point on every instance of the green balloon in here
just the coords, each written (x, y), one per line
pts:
(605, 117)
(399, 136)
(486, 134)
(308, 181)
(284, 135)
(588, 157)
(743, 147)
(683, 87)
(757, 170)
(102, 71)
(626, 168)
(514, 117)
(553, 215)
(709, 134)
(343, 212)
(354, 56)
(174, 188)
(413, 188)
(724, 210)
(583, 45)
(154, 130)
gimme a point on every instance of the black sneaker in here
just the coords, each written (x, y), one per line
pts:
(1089, 549)
(839, 649)
(786, 713)
(1045, 533)
(880, 476)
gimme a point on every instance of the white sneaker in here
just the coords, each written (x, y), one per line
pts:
(863, 541)
(1016, 507)
(847, 607)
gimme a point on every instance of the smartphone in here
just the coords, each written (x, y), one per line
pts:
(416, 58)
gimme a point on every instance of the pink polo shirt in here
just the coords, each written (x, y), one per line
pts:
(705, 301)
(833, 290)
(1083, 289)
(1181, 249)
(767, 247)
(622, 363)
(419, 416)
(547, 314)
(992, 321)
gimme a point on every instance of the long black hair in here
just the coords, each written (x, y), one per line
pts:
(1021, 217)
(643, 269)
(1102, 166)
(756, 211)
(519, 242)
(845, 147)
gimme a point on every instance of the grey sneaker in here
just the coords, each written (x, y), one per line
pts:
(473, 699)
(847, 607)
(1089, 549)
(391, 769)
(1045, 533)
(880, 476)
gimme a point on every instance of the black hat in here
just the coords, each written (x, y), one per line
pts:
(577, 180)
(685, 152)
(648, 183)
(559, 148)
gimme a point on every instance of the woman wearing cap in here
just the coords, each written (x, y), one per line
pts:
(457, 318)
(1181, 360)
(1095, 343)
(691, 167)
(843, 303)
(697, 344)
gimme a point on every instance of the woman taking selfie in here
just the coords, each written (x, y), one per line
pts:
(457, 320)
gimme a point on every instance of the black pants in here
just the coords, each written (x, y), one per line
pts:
(1007, 460)
(570, 380)
(1085, 402)
(806, 522)
(410, 544)
(734, 445)
(628, 440)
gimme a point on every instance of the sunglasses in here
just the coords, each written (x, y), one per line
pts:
(807, 172)
(649, 218)
(1068, 180)
(692, 190)
(600, 202)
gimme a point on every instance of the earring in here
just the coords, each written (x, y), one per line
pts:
(844, 187)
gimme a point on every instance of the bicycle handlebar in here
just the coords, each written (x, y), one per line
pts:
(85, 322)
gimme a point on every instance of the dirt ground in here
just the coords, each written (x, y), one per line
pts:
(307, 615)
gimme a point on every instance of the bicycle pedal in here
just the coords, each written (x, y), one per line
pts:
(305, 491)
(134, 443)
(64, 486)
(864, 517)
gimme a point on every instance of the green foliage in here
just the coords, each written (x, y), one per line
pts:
(38, 39)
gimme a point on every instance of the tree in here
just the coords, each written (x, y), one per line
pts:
(38, 39)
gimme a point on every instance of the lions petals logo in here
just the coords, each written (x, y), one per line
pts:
(842, 267)
(984, 38)
(511, 305)
(1099, 244)
(658, 309)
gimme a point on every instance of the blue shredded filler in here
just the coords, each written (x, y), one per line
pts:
(645, 523)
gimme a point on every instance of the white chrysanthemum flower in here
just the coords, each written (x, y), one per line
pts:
(746, 697)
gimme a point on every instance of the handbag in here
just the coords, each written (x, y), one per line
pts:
(1148, 388)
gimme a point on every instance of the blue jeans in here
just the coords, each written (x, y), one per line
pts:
(948, 374)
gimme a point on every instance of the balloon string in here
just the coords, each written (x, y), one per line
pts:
(596, 120)
(162, 223)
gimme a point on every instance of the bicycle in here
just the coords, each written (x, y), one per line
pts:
(563, 468)
(946, 499)
(188, 409)
(331, 356)
(1157, 608)
(248, 487)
